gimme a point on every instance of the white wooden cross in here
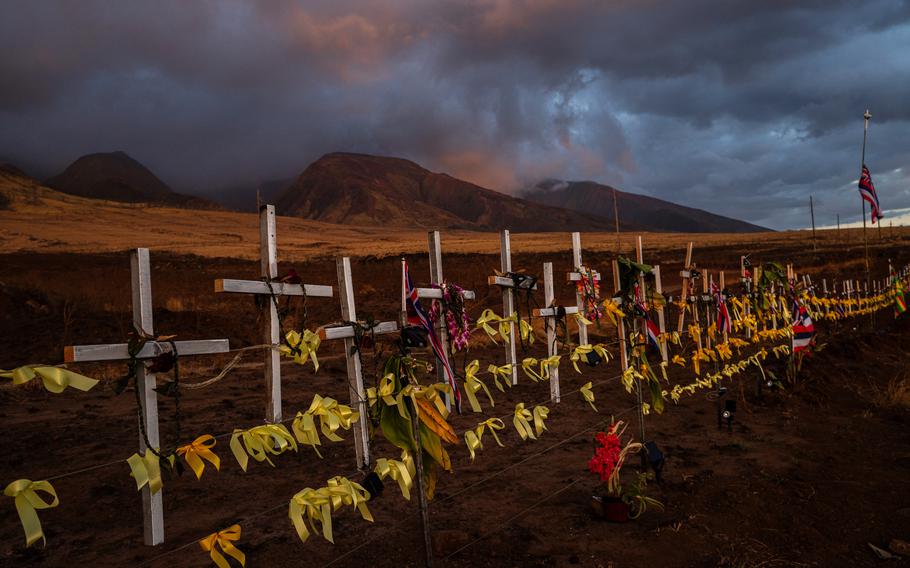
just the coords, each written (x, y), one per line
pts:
(686, 274)
(550, 313)
(747, 280)
(575, 277)
(153, 512)
(434, 245)
(620, 325)
(355, 372)
(508, 298)
(271, 332)
(658, 287)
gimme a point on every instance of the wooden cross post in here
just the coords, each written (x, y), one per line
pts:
(508, 299)
(723, 287)
(706, 280)
(352, 358)
(658, 287)
(550, 314)
(621, 326)
(747, 281)
(435, 247)
(686, 274)
(153, 511)
(575, 276)
(269, 287)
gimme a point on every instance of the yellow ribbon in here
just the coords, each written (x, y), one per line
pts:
(588, 393)
(332, 417)
(503, 372)
(614, 313)
(312, 508)
(55, 379)
(260, 441)
(521, 421)
(580, 353)
(487, 317)
(401, 471)
(301, 347)
(540, 415)
(679, 360)
(582, 320)
(146, 470)
(223, 540)
(23, 492)
(474, 438)
(548, 364)
(196, 451)
(527, 365)
(472, 385)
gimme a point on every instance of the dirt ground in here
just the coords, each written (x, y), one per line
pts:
(807, 476)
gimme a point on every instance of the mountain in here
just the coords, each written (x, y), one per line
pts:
(359, 189)
(118, 177)
(634, 209)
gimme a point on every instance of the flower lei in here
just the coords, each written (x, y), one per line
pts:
(456, 316)
(606, 456)
(588, 287)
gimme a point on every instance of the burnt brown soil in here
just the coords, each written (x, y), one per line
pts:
(807, 476)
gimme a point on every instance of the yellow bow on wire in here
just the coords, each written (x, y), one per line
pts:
(613, 311)
(260, 441)
(312, 508)
(588, 393)
(521, 421)
(196, 451)
(503, 372)
(223, 540)
(402, 471)
(24, 494)
(474, 438)
(548, 364)
(679, 360)
(55, 379)
(527, 365)
(472, 385)
(582, 320)
(581, 351)
(486, 318)
(301, 348)
(540, 415)
(332, 417)
(146, 470)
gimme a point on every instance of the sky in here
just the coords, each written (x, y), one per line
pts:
(741, 108)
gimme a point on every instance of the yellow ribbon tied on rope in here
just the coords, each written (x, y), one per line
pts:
(613, 311)
(472, 385)
(588, 393)
(551, 363)
(311, 509)
(301, 347)
(486, 318)
(146, 470)
(522, 422)
(198, 450)
(527, 365)
(474, 438)
(679, 360)
(55, 379)
(28, 502)
(540, 415)
(260, 441)
(503, 372)
(582, 320)
(402, 471)
(580, 353)
(332, 416)
(224, 540)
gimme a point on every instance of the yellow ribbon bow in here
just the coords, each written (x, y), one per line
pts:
(23, 492)
(679, 360)
(312, 508)
(401, 471)
(55, 379)
(487, 317)
(588, 393)
(527, 365)
(503, 372)
(301, 348)
(223, 540)
(474, 438)
(548, 364)
(540, 415)
(521, 420)
(260, 441)
(472, 385)
(146, 470)
(582, 320)
(196, 451)
(332, 417)
(580, 353)
(613, 311)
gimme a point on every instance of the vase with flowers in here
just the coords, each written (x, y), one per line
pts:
(614, 501)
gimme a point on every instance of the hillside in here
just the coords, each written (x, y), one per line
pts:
(359, 189)
(118, 177)
(635, 210)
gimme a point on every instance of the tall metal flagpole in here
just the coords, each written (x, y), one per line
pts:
(866, 116)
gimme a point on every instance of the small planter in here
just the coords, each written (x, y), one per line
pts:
(612, 509)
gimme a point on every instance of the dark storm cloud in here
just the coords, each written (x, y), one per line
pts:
(744, 108)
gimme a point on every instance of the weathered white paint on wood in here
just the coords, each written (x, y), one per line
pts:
(579, 298)
(548, 297)
(120, 351)
(346, 332)
(228, 285)
(508, 302)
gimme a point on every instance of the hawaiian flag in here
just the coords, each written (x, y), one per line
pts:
(867, 192)
(420, 318)
(651, 328)
(803, 330)
(724, 325)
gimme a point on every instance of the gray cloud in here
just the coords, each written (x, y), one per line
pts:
(744, 108)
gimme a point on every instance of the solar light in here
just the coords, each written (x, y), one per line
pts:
(729, 412)
(373, 484)
(655, 458)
